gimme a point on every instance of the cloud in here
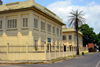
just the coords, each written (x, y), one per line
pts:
(92, 3)
(91, 10)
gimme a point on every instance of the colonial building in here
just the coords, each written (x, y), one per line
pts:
(70, 37)
(29, 23)
(29, 31)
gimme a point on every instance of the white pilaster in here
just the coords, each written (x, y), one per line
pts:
(30, 37)
(19, 29)
(39, 34)
(4, 31)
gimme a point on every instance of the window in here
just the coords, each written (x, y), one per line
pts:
(60, 32)
(25, 22)
(42, 25)
(57, 31)
(70, 37)
(53, 29)
(35, 41)
(0, 24)
(57, 44)
(64, 37)
(35, 23)
(49, 28)
(12, 23)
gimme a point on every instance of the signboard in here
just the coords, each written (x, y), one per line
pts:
(49, 39)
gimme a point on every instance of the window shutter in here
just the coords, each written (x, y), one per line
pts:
(15, 23)
(26, 22)
(34, 22)
(0, 25)
(23, 21)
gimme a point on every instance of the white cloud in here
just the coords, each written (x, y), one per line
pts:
(92, 3)
(91, 10)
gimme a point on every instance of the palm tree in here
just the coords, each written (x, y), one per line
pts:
(76, 20)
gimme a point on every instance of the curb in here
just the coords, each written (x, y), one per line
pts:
(25, 63)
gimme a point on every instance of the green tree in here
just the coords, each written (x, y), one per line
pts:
(98, 43)
(76, 19)
(89, 35)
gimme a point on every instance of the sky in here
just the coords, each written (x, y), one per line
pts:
(91, 9)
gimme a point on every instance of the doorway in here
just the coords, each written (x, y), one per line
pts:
(64, 48)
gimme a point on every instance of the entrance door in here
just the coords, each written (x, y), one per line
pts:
(48, 47)
(64, 48)
(49, 41)
(70, 48)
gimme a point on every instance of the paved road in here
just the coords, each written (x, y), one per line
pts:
(90, 60)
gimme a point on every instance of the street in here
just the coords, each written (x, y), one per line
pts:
(89, 60)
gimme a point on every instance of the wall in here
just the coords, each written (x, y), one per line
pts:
(10, 53)
(22, 36)
(67, 41)
(73, 41)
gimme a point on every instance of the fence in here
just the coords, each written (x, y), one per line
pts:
(26, 52)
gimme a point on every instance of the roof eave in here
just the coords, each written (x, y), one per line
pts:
(35, 9)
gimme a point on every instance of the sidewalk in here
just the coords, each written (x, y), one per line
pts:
(24, 62)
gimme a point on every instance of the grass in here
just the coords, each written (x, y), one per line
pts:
(85, 52)
(64, 58)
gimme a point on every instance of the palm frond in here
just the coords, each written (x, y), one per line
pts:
(76, 18)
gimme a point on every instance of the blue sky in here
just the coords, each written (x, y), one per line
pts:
(91, 9)
(47, 2)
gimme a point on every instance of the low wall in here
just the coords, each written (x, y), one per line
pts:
(22, 56)
(45, 54)
(3, 56)
(55, 55)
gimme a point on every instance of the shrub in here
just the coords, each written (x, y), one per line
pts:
(36, 49)
(82, 53)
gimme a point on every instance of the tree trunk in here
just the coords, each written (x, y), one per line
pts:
(77, 43)
(77, 37)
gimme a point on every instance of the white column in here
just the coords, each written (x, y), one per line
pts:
(39, 34)
(49, 52)
(19, 29)
(59, 50)
(55, 51)
(56, 41)
(46, 41)
(73, 40)
(51, 38)
(30, 37)
(26, 51)
(4, 31)
(45, 51)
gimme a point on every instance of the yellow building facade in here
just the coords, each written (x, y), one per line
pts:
(70, 37)
(29, 23)
(29, 31)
